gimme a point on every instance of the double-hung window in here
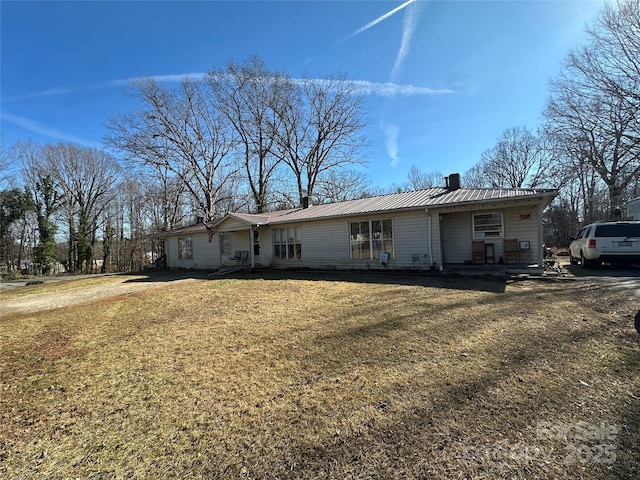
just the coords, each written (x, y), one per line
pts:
(287, 243)
(488, 225)
(371, 238)
(185, 248)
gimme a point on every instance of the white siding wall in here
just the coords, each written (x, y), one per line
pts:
(633, 209)
(233, 224)
(325, 244)
(171, 251)
(436, 246)
(523, 229)
(457, 233)
(266, 247)
(205, 255)
(410, 235)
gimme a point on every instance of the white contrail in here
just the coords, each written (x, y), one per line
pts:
(173, 78)
(409, 25)
(365, 87)
(45, 93)
(122, 82)
(377, 20)
(46, 130)
(391, 131)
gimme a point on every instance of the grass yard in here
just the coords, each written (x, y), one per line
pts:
(350, 376)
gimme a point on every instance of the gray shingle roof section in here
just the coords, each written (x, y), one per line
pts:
(254, 218)
(416, 199)
(197, 228)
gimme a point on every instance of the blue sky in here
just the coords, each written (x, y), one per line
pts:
(446, 77)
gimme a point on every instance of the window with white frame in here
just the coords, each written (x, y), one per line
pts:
(371, 238)
(225, 243)
(287, 243)
(488, 225)
(185, 248)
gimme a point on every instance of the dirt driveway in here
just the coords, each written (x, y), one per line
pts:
(610, 277)
(28, 296)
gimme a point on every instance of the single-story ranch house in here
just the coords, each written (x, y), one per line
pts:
(432, 229)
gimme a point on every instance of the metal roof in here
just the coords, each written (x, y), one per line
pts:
(417, 199)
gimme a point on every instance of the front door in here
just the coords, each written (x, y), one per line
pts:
(455, 231)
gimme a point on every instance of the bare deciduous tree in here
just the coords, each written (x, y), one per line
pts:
(418, 180)
(322, 124)
(166, 196)
(613, 58)
(340, 185)
(249, 96)
(4, 164)
(180, 134)
(15, 207)
(594, 107)
(86, 177)
(47, 199)
(518, 159)
(475, 177)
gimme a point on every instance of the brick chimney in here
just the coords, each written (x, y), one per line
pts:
(453, 181)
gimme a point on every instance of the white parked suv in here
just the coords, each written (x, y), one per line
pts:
(613, 242)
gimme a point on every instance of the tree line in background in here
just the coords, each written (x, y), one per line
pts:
(246, 138)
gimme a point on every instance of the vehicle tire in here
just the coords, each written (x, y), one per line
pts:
(572, 259)
(586, 263)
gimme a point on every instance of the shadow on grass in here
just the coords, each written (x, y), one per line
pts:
(465, 426)
(456, 282)
(629, 429)
(161, 276)
(457, 424)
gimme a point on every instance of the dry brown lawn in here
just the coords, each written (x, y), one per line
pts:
(349, 376)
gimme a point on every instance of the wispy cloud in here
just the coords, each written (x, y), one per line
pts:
(46, 130)
(376, 21)
(390, 89)
(386, 90)
(391, 133)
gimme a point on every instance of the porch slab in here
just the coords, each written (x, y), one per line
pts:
(491, 269)
(227, 270)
